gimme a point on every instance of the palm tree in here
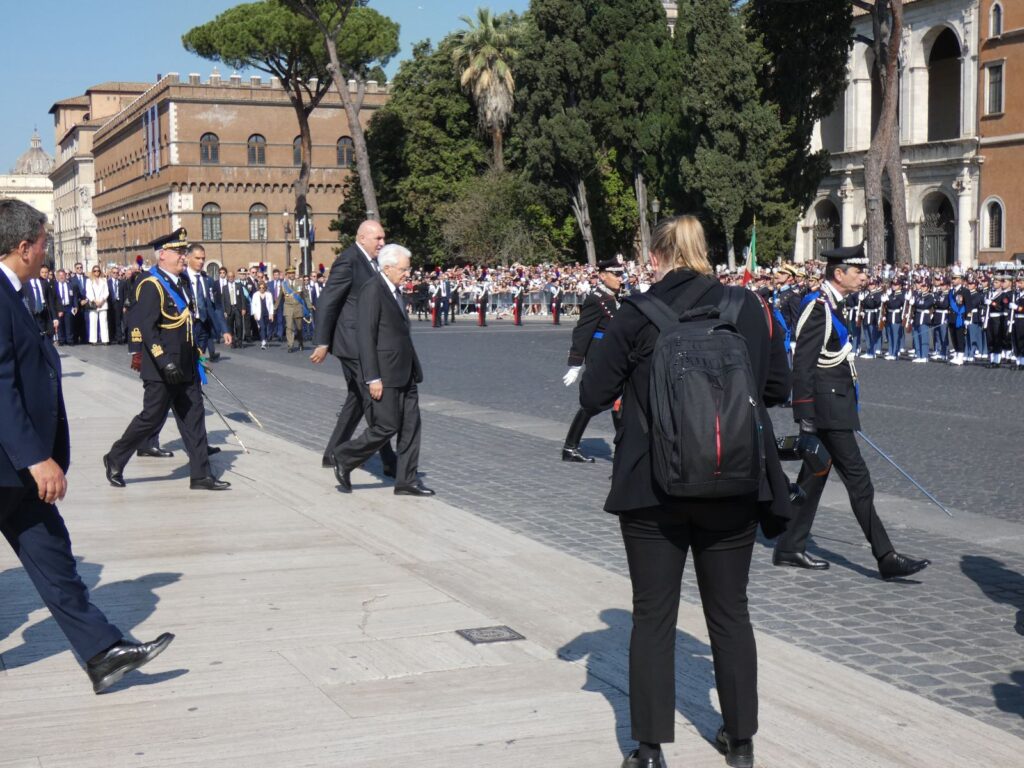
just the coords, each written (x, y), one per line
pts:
(483, 54)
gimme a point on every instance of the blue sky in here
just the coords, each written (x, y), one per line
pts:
(57, 48)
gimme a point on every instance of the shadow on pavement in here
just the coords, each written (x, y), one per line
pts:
(126, 604)
(607, 652)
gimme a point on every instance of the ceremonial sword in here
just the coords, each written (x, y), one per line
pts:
(251, 415)
(903, 472)
(232, 431)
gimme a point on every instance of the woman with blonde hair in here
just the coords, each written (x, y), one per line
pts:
(97, 295)
(659, 529)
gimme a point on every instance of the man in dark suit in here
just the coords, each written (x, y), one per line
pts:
(336, 321)
(162, 322)
(42, 303)
(35, 452)
(825, 403)
(208, 322)
(115, 312)
(234, 300)
(64, 295)
(391, 370)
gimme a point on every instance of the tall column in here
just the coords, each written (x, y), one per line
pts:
(964, 251)
(860, 116)
(846, 211)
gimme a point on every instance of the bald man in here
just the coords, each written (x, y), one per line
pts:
(336, 318)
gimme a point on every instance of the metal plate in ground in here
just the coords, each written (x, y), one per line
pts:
(480, 635)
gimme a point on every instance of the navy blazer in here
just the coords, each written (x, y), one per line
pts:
(385, 344)
(337, 312)
(34, 424)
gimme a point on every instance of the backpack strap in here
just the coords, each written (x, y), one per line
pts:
(660, 313)
(732, 304)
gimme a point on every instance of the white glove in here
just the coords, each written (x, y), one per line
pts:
(571, 375)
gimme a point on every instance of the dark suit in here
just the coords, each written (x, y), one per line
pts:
(209, 324)
(115, 309)
(827, 397)
(337, 316)
(386, 354)
(233, 306)
(659, 530)
(64, 296)
(599, 307)
(35, 428)
(166, 338)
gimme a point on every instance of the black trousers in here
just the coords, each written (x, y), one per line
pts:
(186, 400)
(842, 446)
(656, 552)
(38, 536)
(356, 405)
(396, 413)
(205, 336)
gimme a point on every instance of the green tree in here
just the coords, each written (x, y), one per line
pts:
(358, 41)
(269, 37)
(804, 80)
(483, 54)
(732, 140)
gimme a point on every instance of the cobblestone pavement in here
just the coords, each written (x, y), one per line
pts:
(951, 636)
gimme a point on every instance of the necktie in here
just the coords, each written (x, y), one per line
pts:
(399, 299)
(39, 294)
(25, 300)
(64, 294)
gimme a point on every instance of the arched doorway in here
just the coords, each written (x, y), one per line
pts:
(888, 239)
(944, 87)
(826, 227)
(938, 232)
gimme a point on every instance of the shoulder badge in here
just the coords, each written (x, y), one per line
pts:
(157, 350)
(136, 336)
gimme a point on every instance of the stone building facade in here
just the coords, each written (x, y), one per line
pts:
(29, 179)
(1001, 131)
(75, 121)
(219, 158)
(939, 134)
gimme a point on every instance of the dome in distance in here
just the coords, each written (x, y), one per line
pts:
(35, 161)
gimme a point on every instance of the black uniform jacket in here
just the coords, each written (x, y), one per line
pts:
(596, 313)
(337, 310)
(385, 345)
(621, 364)
(823, 395)
(165, 334)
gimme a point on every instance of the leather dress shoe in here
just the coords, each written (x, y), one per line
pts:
(154, 453)
(212, 449)
(209, 483)
(327, 462)
(343, 476)
(574, 454)
(418, 489)
(894, 565)
(739, 753)
(111, 665)
(799, 560)
(634, 761)
(389, 470)
(114, 476)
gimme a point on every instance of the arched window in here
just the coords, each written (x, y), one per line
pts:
(996, 20)
(346, 152)
(211, 222)
(209, 149)
(993, 225)
(944, 87)
(297, 151)
(258, 222)
(257, 150)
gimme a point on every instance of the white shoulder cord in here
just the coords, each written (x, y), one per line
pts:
(826, 358)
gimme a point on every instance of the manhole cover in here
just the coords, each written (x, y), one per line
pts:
(481, 635)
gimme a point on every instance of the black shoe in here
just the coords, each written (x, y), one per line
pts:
(634, 761)
(291, 349)
(739, 753)
(209, 483)
(417, 489)
(894, 565)
(799, 560)
(214, 358)
(111, 665)
(327, 462)
(343, 476)
(154, 453)
(389, 470)
(114, 476)
(573, 454)
(212, 449)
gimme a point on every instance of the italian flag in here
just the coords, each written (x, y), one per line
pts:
(751, 266)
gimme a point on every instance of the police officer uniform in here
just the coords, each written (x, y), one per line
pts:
(893, 306)
(870, 319)
(599, 307)
(161, 322)
(997, 311)
(922, 304)
(825, 393)
(1017, 321)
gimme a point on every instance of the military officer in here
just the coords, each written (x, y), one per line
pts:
(921, 301)
(893, 308)
(825, 396)
(975, 303)
(162, 323)
(598, 309)
(296, 309)
(870, 318)
(997, 310)
(1017, 320)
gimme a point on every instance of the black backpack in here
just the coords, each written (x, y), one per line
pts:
(705, 432)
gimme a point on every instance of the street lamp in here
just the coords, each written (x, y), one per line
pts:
(287, 241)
(656, 208)
(124, 240)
